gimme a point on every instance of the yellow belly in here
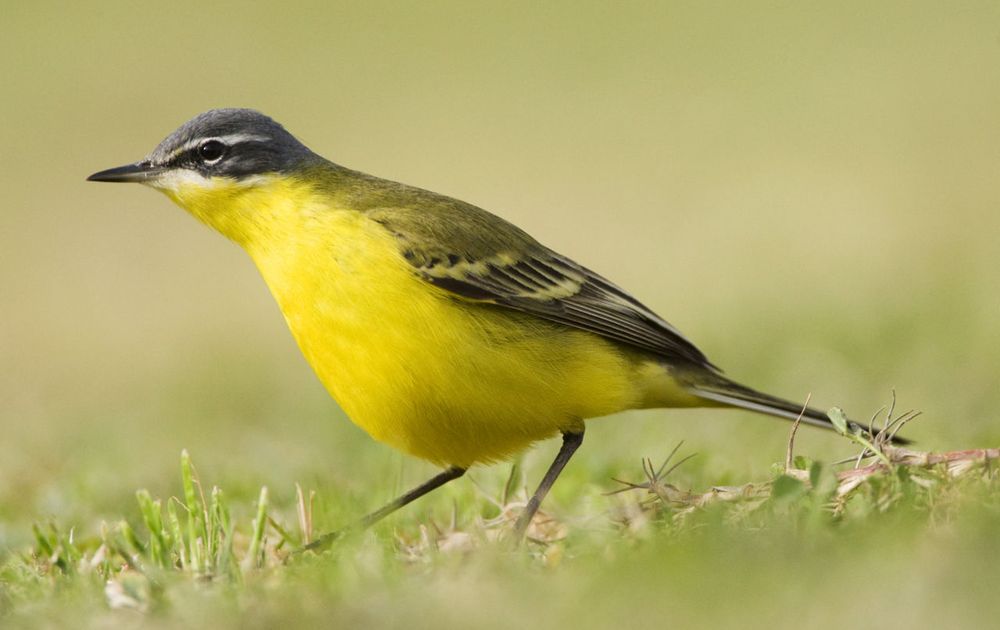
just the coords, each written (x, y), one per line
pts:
(447, 380)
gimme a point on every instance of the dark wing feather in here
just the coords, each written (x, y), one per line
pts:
(478, 256)
(555, 288)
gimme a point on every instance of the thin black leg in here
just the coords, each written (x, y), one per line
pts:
(571, 442)
(367, 521)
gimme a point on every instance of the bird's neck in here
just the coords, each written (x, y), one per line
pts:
(258, 214)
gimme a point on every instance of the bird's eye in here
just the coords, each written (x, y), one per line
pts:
(211, 151)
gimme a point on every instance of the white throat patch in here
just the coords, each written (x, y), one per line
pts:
(179, 178)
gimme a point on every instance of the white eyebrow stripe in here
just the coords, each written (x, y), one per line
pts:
(228, 140)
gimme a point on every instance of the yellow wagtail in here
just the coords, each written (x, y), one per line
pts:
(439, 328)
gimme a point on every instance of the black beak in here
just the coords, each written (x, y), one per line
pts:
(139, 172)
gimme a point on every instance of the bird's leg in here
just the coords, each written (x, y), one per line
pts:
(367, 521)
(571, 442)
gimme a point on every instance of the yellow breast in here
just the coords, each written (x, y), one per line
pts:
(444, 379)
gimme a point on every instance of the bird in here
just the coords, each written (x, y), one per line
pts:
(439, 328)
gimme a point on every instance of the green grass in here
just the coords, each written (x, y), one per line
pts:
(654, 552)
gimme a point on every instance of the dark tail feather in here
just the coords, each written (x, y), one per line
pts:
(733, 394)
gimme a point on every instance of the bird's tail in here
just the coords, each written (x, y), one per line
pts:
(721, 390)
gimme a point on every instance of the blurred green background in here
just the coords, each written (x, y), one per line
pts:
(807, 190)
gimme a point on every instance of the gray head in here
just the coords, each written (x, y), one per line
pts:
(231, 143)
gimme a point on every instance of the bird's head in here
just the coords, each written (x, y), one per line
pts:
(211, 161)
